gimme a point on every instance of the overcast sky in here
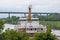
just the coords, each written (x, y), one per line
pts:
(37, 5)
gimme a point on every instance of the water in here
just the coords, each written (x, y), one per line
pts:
(8, 26)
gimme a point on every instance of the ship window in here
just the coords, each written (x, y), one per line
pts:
(31, 29)
(35, 28)
(41, 28)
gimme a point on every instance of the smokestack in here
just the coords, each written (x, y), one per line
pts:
(29, 14)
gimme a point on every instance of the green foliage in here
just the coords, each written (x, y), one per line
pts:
(1, 25)
(12, 20)
(45, 36)
(51, 17)
(53, 24)
(40, 36)
(1, 37)
(1, 28)
(15, 35)
(49, 35)
(31, 38)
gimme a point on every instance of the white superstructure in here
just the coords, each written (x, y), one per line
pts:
(30, 25)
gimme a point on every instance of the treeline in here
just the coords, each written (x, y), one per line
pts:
(11, 20)
(50, 17)
(54, 24)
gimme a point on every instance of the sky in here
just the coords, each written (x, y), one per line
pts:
(37, 5)
(51, 6)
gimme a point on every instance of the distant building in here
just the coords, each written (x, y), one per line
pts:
(30, 25)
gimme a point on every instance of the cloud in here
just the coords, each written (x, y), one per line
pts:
(37, 5)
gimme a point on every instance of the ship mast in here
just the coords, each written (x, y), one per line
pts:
(29, 14)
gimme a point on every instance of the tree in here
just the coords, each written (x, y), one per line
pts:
(46, 36)
(11, 34)
(1, 25)
(40, 36)
(1, 37)
(49, 35)
(12, 20)
(1, 28)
